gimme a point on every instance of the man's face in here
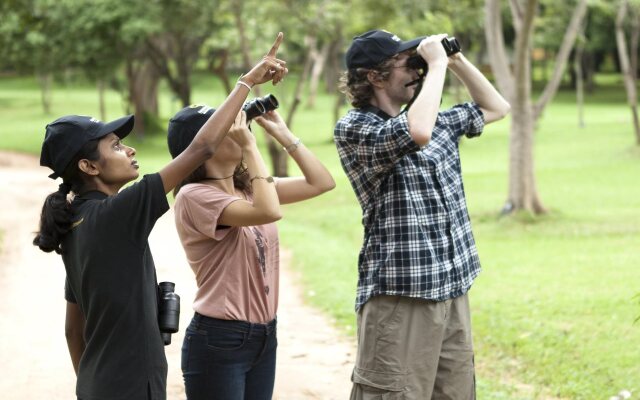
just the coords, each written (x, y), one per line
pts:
(399, 76)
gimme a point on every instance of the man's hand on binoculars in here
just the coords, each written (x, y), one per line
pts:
(431, 50)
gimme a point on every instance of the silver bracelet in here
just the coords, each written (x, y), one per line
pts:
(239, 82)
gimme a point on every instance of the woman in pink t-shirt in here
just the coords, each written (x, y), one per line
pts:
(225, 215)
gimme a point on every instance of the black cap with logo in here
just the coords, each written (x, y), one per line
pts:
(184, 126)
(65, 136)
(373, 47)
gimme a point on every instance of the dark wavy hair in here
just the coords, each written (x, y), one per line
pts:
(55, 218)
(355, 84)
(240, 178)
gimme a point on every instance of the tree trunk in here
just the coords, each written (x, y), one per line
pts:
(319, 61)
(220, 69)
(561, 59)
(497, 51)
(297, 95)
(183, 78)
(634, 42)
(523, 193)
(577, 66)
(245, 51)
(143, 79)
(101, 103)
(629, 81)
(278, 155)
(44, 79)
(334, 65)
(455, 88)
(589, 71)
(161, 50)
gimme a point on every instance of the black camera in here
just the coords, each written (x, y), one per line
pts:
(260, 105)
(451, 47)
(168, 310)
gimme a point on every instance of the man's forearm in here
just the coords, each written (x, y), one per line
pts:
(493, 105)
(423, 112)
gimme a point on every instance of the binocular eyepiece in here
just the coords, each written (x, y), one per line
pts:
(260, 105)
(451, 47)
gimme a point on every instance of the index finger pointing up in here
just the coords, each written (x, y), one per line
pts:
(276, 45)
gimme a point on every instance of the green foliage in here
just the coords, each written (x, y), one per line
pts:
(410, 18)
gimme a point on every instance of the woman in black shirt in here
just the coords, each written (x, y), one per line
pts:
(111, 324)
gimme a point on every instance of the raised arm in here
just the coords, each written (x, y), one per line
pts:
(316, 178)
(264, 208)
(493, 105)
(423, 113)
(270, 68)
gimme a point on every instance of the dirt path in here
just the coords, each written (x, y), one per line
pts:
(314, 362)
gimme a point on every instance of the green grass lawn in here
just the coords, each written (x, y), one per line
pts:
(553, 310)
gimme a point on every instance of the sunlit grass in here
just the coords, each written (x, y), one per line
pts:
(554, 309)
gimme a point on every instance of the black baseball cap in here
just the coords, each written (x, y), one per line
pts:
(65, 136)
(373, 47)
(184, 126)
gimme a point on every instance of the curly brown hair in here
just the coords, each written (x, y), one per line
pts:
(356, 85)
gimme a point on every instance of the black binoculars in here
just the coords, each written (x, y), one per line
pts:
(168, 310)
(451, 47)
(260, 105)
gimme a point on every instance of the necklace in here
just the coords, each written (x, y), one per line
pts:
(218, 179)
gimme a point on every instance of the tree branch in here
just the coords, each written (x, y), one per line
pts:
(561, 59)
(497, 53)
(523, 49)
(516, 11)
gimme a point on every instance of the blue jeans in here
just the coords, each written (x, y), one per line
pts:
(229, 360)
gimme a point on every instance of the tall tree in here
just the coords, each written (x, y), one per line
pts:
(241, 16)
(629, 64)
(34, 40)
(182, 28)
(516, 85)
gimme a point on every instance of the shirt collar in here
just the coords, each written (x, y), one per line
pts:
(90, 195)
(375, 110)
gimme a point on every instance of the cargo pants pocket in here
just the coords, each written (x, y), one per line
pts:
(377, 385)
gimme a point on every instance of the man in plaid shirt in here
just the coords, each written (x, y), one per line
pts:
(418, 259)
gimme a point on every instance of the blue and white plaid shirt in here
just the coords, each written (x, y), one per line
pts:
(417, 233)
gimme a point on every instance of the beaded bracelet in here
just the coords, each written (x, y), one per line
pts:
(269, 179)
(293, 146)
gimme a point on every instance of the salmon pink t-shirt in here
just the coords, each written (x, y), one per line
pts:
(236, 268)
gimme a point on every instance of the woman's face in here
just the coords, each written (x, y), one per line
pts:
(117, 164)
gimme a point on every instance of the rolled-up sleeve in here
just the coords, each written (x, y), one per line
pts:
(464, 119)
(373, 145)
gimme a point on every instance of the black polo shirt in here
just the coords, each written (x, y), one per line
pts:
(111, 276)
